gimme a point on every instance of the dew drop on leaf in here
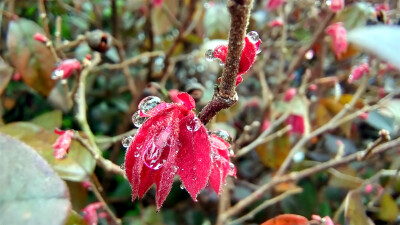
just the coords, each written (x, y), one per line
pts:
(259, 48)
(127, 141)
(194, 124)
(224, 135)
(232, 169)
(137, 120)
(210, 55)
(253, 36)
(182, 186)
(57, 74)
(149, 103)
(152, 157)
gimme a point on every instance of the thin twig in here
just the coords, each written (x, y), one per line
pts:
(106, 164)
(99, 197)
(117, 138)
(127, 62)
(43, 17)
(266, 204)
(295, 176)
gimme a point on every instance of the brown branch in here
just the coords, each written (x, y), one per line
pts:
(295, 176)
(43, 17)
(127, 62)
(225, 95)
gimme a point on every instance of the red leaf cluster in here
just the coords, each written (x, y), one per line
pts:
(173, 141)
(339, 35)
(252, 45)
(90, 213)
(65, 69)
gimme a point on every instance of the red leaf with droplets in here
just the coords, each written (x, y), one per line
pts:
(194, 160)
(187, 100)
(221, 167)
(248, 57)
(287, 219)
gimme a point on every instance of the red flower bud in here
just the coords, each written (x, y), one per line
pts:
(289, 94)
(337, 5)
(63, 143)
(339, 35)
(273, 4)
(65, 69)
(276, 23)
(40, 37)
(90, 213)
(297, 123)
(358, 72)
(252, 46)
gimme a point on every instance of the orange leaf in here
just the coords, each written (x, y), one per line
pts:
(287, 219)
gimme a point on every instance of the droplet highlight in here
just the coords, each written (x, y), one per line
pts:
(194, 124)
(210, 55)
(149, 103)
(253, 36)
(127, 141)
(224, 135)
(137, 120)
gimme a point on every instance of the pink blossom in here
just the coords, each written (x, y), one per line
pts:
(65, 69)
(276, 23)
(364, 116)
(40, 37)
(297, 123)
(368, 188)
(337, 5)
(157, 3)
(289, 94)
(90, 213)
(358, 72)
(273, 4)
(312, 87)
(63, 143)
(338, 34)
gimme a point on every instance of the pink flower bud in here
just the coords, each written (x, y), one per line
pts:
(87, 185)
(40, 37)
(289, 94)
(90, 213)
(273, 4)
(358, 72)
(297, 123)
(368, 188)
(327, 220)
(63, 143)
(312, 87)
(276, 23)
(16, 77)
(65, 69)
(316, 217)
(364, 116)
(337, 5)
(339, 35)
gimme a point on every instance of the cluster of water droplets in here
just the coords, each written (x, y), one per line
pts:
(57, 74)
(152, 157)
(127, 141)
(254, 38)
(145, 106)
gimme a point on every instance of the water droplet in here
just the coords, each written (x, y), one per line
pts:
(260, 46)
(182, 186)
(232, 171)
(57, 74)
(137, 154)
(231, 152)
(253, 36)
(149, 103)
(194, 124)
(175, 169)
(122, 166)
(224, 135)
(220, 62)
(127, 141)
(152, 157)
(137, 120)
(210, 55)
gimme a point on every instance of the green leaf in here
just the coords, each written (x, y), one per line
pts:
(355, 210)
(49, 120)
(380, 40)
(75, 167)
(31, 58)
(75, 219)
(388, 211)
(31, 192)
(355, 15)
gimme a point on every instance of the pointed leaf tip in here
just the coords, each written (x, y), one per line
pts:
(187, 100)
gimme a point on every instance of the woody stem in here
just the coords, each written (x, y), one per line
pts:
(225, 95)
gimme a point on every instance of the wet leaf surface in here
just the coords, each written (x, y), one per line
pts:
(32, 192)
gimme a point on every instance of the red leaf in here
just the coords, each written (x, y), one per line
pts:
(221, 166)
(287, 219)
(187, 100)
(194, 160)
